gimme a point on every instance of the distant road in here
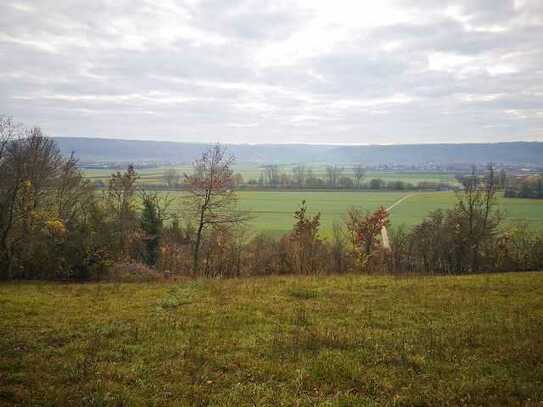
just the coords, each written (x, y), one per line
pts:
(384, 232)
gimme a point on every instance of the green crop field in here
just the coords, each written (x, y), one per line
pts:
(328, 341)
(272, 211)
(153, 176)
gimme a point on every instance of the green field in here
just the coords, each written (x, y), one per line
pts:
(272, 211)
(154, 176)
(328, 341)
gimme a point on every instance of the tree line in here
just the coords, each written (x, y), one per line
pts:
(304, 177)
(55, 224)
(530, 186)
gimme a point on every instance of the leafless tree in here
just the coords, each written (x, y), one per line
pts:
(299, 175)
(359, 173)
(212, 198)
(9, 130)
(271, 175)
(171, 177)
(477, 209)
(333, 173)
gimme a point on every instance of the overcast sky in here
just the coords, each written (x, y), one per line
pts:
(309, 71)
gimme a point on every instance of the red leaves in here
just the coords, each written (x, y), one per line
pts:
(365, 229)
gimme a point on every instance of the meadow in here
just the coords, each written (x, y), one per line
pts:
(328, 340)
(272, 211)
(154, 176)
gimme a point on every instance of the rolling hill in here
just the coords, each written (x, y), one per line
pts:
(512, 153)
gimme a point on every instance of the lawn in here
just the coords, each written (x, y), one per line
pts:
(337, 340)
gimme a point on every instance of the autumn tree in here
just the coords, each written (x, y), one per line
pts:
(211, 196)
(44, 203)
(305, 241)
(364, 231)
(120, 198)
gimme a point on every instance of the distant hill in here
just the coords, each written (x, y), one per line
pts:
(513, 153)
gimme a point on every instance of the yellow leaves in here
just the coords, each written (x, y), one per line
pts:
(56, 228)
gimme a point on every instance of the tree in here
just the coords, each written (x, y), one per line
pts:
(306, 241)
(345, 182)
(152, 220)
(333, 173)
(211, 196)
(271, 175)
(359, 173)
(121, 200)
(171, 177)
(377, 183)
(44, 203)
(299, 175)
(29, 167)
(364, 231)
(477, 216)
(9, 130)
(238, 179)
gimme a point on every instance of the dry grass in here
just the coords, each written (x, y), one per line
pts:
(341, 340)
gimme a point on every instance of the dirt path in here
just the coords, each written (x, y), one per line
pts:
(384, 231)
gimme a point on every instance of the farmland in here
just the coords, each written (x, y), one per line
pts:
(337, 340)
(154, 176)
(272, 210)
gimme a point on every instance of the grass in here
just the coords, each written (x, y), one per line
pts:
(154, 176)
(272, 211)
(339, 340)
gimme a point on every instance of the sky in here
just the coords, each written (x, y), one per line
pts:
(292, 71)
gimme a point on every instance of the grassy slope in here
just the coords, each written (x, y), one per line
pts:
(344, 340)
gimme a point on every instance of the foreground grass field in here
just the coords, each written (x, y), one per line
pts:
(343, 340)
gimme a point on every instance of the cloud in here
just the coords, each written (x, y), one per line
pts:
(313, 71)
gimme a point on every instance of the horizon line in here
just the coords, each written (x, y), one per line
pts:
(297, 143)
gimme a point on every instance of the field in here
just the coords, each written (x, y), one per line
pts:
(343, 340)
(272, 211)
(153, 176)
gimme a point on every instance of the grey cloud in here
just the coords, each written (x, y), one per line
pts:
(191, 71)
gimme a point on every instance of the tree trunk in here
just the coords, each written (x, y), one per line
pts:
(196, 251)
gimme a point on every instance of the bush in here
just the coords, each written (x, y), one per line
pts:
(132, 273)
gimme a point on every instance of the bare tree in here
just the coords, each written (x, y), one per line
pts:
(212, 198)
(333, 173)
(171, 177)
(9, 130)
(359, 173)
(299, 175)
(478, 214)
(271, 175)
